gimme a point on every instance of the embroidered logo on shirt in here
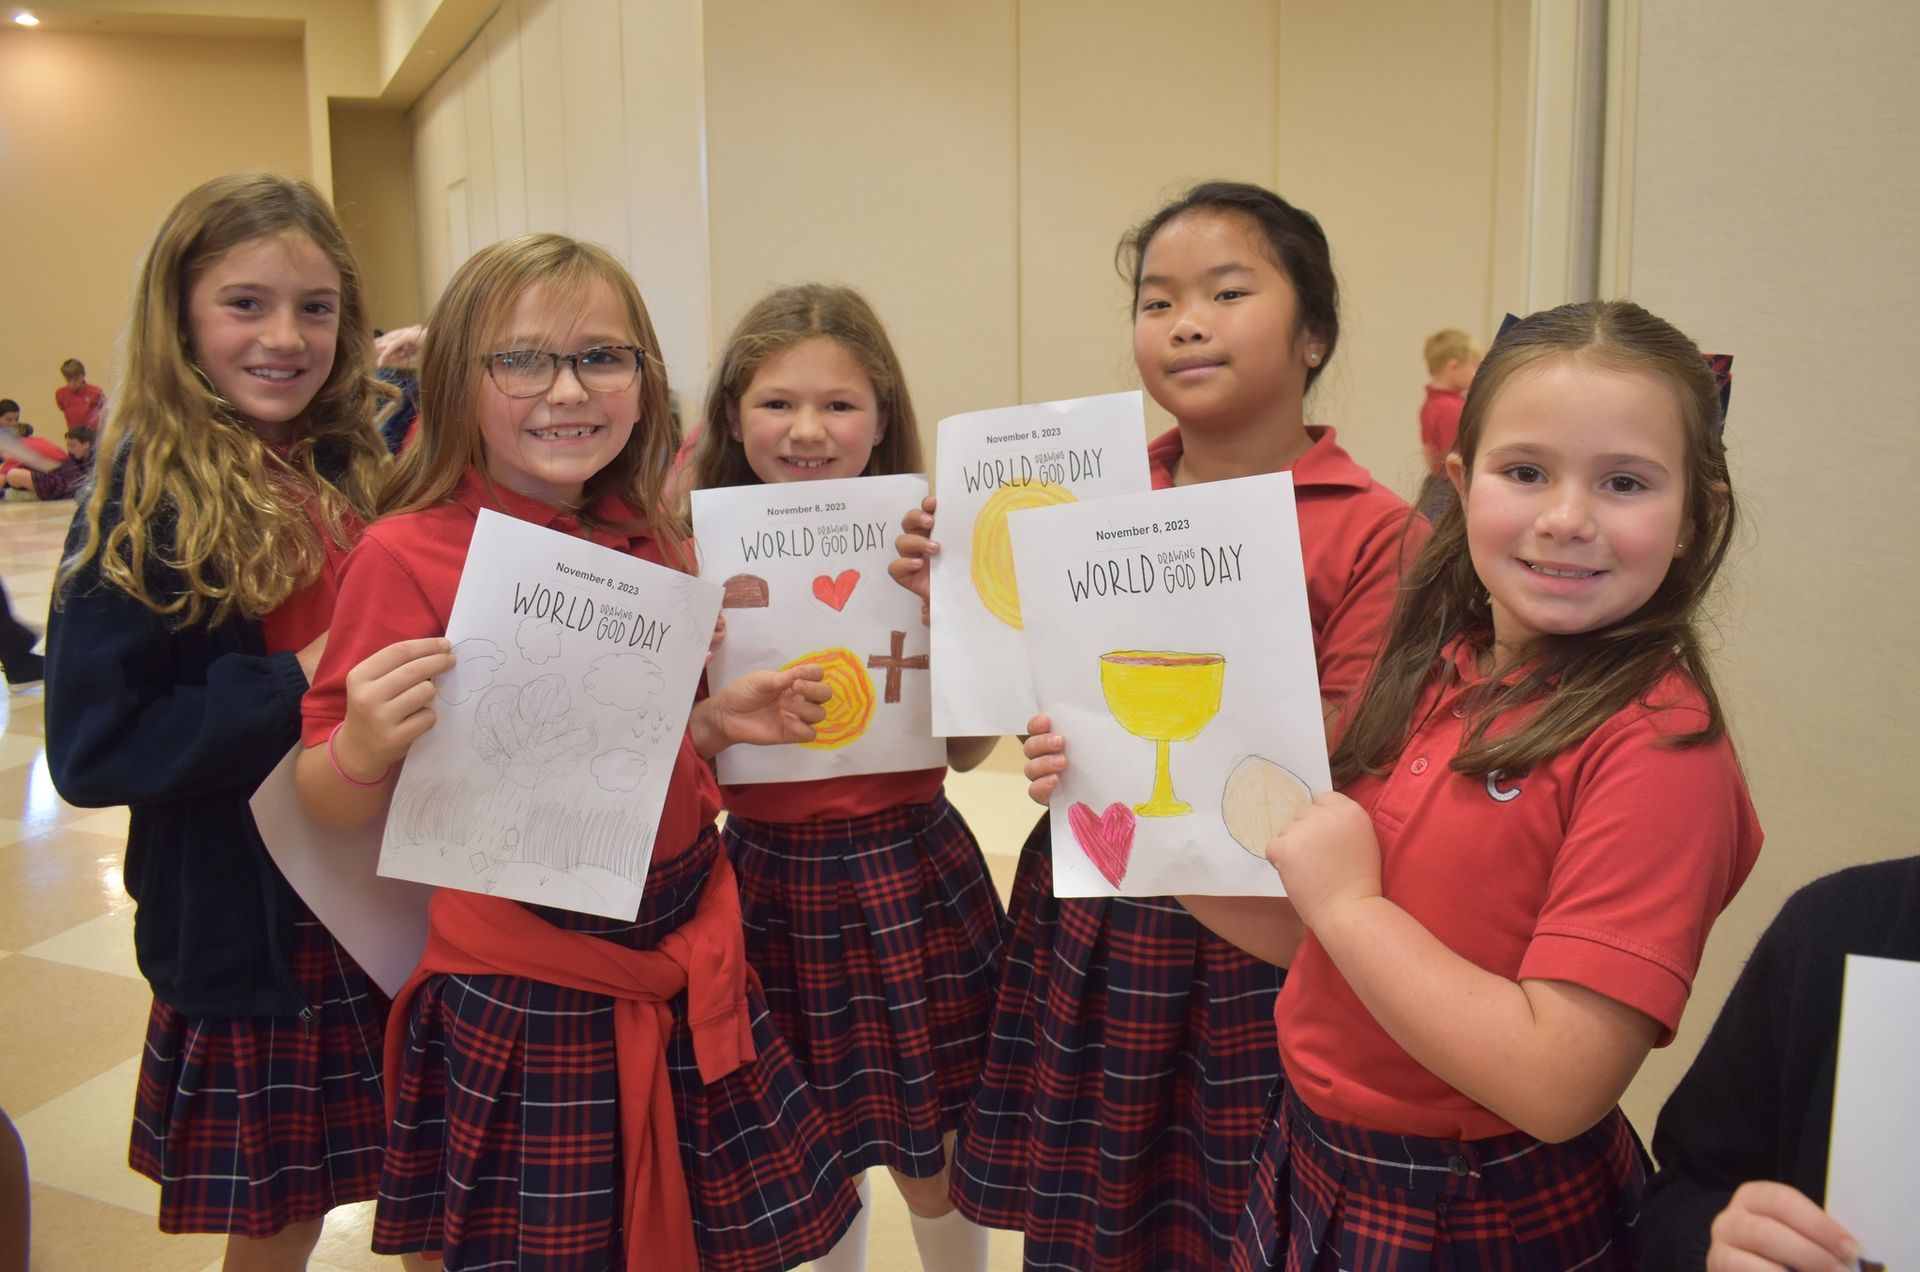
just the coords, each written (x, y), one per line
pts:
(1493, 788)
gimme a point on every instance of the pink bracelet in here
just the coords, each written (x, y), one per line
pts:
(342, 773)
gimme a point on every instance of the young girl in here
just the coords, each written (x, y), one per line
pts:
(1129, 1062)
(192, 607)
(1543, 817)
(870, 915)
(556, 1099)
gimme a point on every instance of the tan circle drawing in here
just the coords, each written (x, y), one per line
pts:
(1260, 798)
(993, 576)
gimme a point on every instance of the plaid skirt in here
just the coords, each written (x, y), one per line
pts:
(878, 942)
(1128, 1067)
(254, 1123)
(1331, 1195)
(505, 1145)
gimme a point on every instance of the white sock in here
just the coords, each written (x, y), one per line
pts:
(951, 1243)
(849, 1253)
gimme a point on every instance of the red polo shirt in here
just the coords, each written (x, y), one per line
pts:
(1440, 422)
(399, 583)
(1353, 534)
(1604, 867)
(83, 405)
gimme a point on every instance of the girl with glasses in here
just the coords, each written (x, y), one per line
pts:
(516, 1099)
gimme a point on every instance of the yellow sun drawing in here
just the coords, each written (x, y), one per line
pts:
(993, 576)
(850, 710)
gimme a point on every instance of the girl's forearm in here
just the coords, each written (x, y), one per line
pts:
(332, 801)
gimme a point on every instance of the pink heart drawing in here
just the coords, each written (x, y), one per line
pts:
(1106, 838)
(835, 591)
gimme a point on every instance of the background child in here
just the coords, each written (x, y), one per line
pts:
(1451, 358)
(540, 1053)
(1129, 1058)
(1542, 819)
(48, 478)
(11, 425)
(21, 666)
(1742, 1142)
(81, 403)
(190, 610)
(870, 915)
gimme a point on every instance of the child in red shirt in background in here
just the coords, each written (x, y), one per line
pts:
(10, 425)
(81, 403)
(870, 915)
(1451, 358)
(1129, 1059)
(566, 1091)
(31, 469)
(1542, 817)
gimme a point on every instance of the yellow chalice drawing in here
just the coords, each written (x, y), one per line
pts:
(1166, 698)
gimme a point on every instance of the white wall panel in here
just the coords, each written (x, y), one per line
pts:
(592, 136)
(545, 65)
(507, 124)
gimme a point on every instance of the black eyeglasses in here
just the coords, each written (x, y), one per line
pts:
(525, 373)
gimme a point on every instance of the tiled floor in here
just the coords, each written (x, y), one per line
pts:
(75, 1007)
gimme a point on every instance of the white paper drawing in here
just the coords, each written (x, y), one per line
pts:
(544, 777)
(1169, 641)
(381, 922)
(991, 465)
(1874, 1155)
(803, 566)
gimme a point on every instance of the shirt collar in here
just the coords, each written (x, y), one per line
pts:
(1324, 466)
(624, 528)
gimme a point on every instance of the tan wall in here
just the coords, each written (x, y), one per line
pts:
(1391, 132)
(1776, 169)
(873, 144)
(584, 118)
(101, 135)
(373, 194)
(971, 167)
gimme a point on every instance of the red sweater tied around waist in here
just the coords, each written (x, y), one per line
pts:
(472, 934)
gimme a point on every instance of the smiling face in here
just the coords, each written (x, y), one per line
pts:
(546, 447)
(1216, 326)
(809, 413)
(1576, 505)
(262, 324)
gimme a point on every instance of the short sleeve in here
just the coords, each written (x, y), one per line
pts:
(381, 601)
(1356, 623)
(1660, 838)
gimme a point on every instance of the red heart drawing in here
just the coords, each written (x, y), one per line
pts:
(836, 591)
(1106, 838)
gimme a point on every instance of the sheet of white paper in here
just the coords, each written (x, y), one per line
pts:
(804, 567)
(381, 922)
(991, 463)
(1873, 1160)
(544, 778)
(1170, 643)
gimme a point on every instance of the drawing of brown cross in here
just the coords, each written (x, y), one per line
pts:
(895, 664)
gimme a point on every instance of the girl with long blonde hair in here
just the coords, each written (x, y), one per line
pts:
(236, 468)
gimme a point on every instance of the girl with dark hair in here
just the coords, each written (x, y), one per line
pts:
(1542, 818)
(1129, 1059)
